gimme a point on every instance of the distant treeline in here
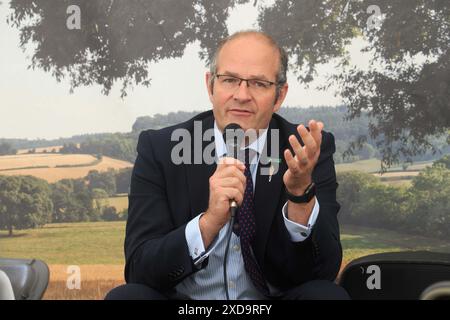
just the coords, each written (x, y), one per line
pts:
(335, 122)
(42, 143)
(30, 202)
(423, 208)
(123, 145)
(116, 145)
(6, 148)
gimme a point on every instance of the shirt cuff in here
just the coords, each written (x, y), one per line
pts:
(195, 242)
(299, 232)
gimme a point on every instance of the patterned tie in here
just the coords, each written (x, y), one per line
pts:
(245, 228)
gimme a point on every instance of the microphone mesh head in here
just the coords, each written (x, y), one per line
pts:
(233, 135)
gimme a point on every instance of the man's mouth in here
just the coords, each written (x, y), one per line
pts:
(240, 112)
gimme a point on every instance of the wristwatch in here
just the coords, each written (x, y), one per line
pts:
(310, 192)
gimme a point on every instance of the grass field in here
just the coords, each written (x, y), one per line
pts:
(370, 165)
(360, 241)
(373, 166)
(97, 248)
(68, 243)
(53, 174)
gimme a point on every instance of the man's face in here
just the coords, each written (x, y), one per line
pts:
(248, 57)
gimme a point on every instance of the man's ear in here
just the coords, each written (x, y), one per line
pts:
(209, 85)
(283, 92)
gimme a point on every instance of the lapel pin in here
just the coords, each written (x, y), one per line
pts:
(271, 171)
(272, 168)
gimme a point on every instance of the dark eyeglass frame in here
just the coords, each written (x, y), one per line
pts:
(267, 82)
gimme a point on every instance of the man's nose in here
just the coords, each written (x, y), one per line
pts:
(242, 93)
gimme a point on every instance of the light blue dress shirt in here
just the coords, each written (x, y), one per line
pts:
(208, 283)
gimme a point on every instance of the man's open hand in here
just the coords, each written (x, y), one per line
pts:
(300, 167)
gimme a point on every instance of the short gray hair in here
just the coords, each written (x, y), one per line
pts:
(281, 77)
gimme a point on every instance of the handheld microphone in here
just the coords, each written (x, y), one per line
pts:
(233, 136)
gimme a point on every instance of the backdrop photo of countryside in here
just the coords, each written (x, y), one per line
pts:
(71, 114)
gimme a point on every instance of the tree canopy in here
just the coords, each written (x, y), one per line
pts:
(406, 89)
(25, 202)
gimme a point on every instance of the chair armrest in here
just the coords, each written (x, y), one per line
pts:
(29, 277)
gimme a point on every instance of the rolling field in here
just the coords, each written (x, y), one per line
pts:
(373, 166)
(97, 248)
(368, 166)
(399, 174)
(22, 165)
(395, 176)
(120, 203)
(50, 160)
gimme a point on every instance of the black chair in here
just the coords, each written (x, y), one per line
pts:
(397, 276)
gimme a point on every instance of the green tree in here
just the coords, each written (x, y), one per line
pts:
(118, 39)
(383, 206)
(98, 193)
(73, 201)
(102, 180)
(432, 201)
(408, 96)
(110, 214)
(69, 148)
(405, 91)
(445, 160)
(352, 186)
(24, 203)
(6, 148)
(120, 146)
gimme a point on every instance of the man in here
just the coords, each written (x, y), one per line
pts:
(285, 243)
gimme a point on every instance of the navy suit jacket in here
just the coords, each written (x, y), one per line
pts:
(164, 197)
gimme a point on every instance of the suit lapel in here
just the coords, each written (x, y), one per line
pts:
(198, 175)
(267, 193)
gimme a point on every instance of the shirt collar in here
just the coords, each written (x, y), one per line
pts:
(221, 148)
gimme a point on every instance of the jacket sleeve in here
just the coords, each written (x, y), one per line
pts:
(325, 234)
(319, 255)
(156, 251)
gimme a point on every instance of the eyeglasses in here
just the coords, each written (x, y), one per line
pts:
(232, 83)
